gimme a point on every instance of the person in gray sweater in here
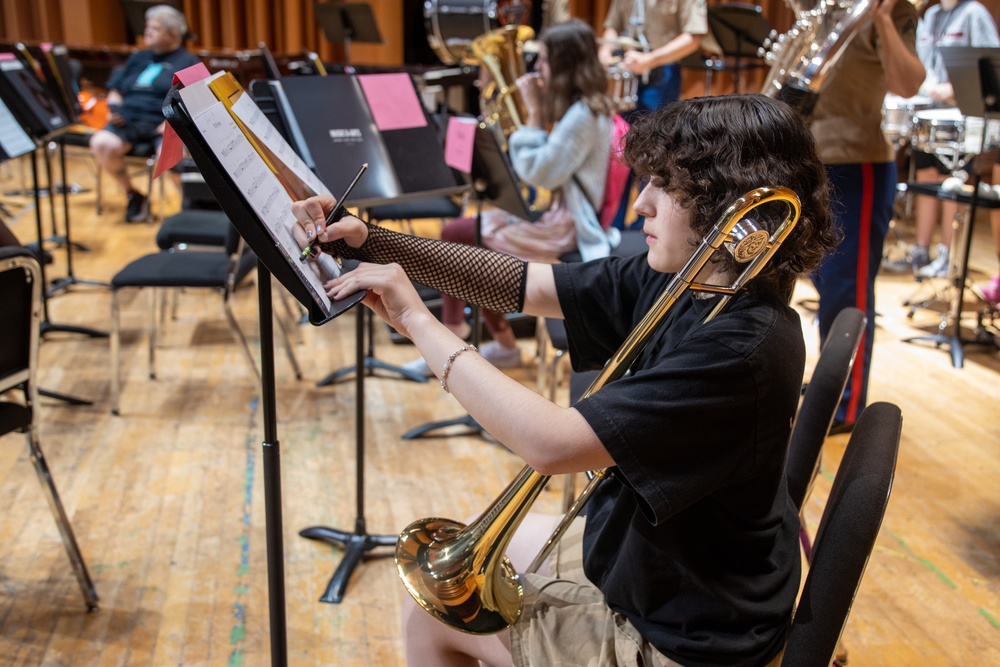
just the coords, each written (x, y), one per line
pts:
(563, 146)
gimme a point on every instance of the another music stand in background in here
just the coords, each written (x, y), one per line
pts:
(740, 29)
(348, 22)
(494, 181)
(974, 73)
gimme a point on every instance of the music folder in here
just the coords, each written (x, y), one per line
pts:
(330, 122)
(255, 176)
(963, 66)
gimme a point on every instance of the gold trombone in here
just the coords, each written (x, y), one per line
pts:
(459, 574)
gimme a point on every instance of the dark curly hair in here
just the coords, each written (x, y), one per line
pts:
(576, 72)
(708, 151)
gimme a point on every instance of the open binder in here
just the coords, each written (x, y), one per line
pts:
(255, 176)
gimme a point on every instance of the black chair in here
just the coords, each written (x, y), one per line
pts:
(21, 296)
(220, 270)
(845, 537)
(819, 404)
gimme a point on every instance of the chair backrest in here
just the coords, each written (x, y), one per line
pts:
(20, 294)
(815, 414)
(846, 536)
(617, 179)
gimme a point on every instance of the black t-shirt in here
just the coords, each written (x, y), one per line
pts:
(694, 539)
(144, 81)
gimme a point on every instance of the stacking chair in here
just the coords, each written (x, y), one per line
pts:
(220, 270)
(21, 296)
(845, 537)
(819, 404)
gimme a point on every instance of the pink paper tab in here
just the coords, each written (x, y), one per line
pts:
(189, 75)
(459, 139)
(393, 101)
(172, 148)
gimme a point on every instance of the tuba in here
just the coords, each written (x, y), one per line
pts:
(802, 58)
(459, 574)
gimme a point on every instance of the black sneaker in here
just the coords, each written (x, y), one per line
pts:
(136, 211)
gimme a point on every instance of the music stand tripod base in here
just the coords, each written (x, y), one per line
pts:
(356, 545)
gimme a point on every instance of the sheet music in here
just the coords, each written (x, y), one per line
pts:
(13, 139)
(261, 188)
(255, 120)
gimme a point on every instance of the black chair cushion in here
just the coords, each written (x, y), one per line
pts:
(435, 207)
(80, 139)
(13, 416)
(175, 269)
(194, 227)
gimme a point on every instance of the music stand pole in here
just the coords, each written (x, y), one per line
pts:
(47, 326)
(272, 473)
(480, 186)
(69, 279)
(358, 543)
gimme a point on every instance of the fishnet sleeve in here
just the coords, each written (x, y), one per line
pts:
(491, 280)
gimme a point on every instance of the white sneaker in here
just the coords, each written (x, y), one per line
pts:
(500, 356)
(419, 367)
(939, 267)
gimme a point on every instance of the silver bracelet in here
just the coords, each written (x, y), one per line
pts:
(451, 360)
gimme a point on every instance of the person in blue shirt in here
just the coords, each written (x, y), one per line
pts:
(135, 99)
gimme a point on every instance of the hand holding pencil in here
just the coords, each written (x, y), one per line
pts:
(336, 214)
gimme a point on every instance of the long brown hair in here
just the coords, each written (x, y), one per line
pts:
(577, 74)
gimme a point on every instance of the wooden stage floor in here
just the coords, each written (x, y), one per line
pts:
(167, 500)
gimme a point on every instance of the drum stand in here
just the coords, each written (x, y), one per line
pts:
(960, 265)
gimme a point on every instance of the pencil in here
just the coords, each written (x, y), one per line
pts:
(337, 211)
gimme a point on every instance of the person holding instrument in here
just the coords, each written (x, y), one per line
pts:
(689, 552)
(135, 99)
(567, 105)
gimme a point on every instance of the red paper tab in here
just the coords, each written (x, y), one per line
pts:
(172, 148)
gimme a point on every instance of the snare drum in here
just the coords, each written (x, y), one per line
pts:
(939, 131)
(623, 87)
(897, 115)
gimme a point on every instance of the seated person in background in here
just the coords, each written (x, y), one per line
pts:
(563, 146)
(695, 435)
(991, 291)
(950, 23)
(135, 99)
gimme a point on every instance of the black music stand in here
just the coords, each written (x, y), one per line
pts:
(348, 22)
(271, 262)
(494, 181)
(43, 119)
(740, 29)
(975, 76)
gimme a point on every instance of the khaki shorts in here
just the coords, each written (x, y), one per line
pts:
(566, 622)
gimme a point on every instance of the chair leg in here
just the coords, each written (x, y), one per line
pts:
(553, 378)
(65, 529)
(115, 338)
(98, 189)
(234, 326)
